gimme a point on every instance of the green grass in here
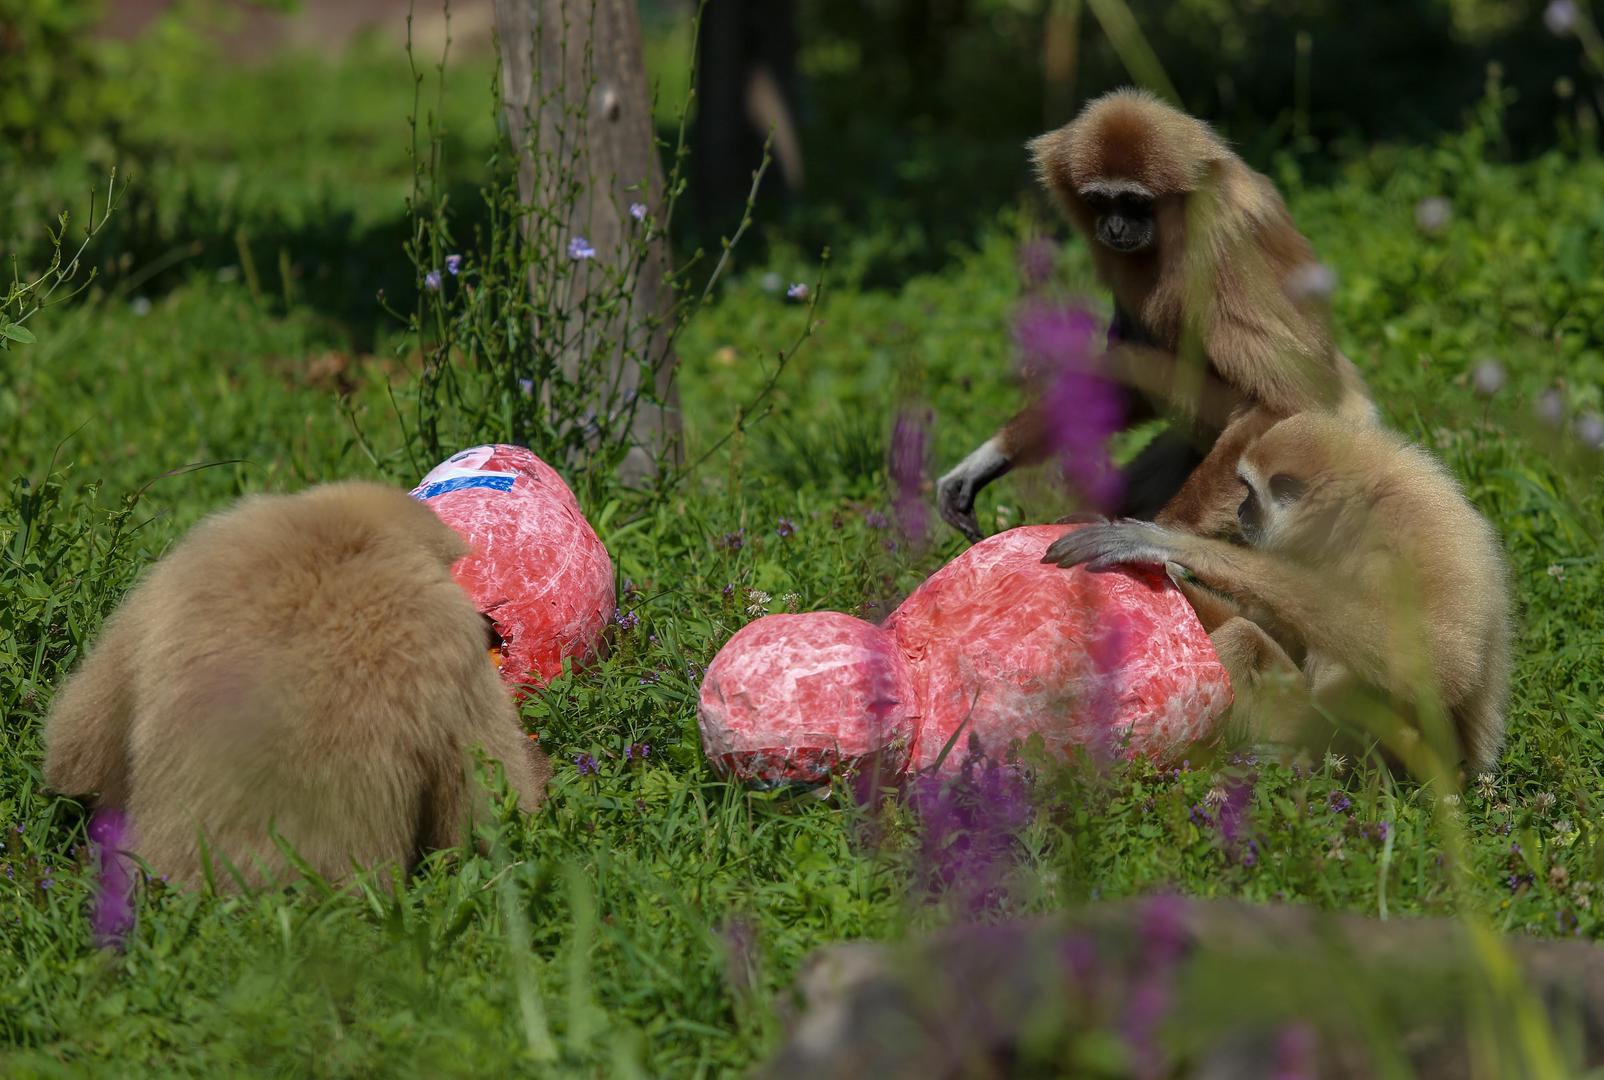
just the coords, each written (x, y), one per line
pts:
(594, 938)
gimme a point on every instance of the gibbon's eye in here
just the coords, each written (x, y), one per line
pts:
(1134, 208)
(1284, 488)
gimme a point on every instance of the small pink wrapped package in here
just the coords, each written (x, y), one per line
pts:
(994, 647)
(538, 569)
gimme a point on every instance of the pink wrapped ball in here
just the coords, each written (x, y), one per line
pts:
(799, 698)
(1114, 662)
(538, 569)
(995, 647)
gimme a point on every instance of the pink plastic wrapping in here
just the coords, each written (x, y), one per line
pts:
(995, 643)
(538, 569)
(794, 697)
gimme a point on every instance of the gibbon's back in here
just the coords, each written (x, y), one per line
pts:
(304, 665)
(1457, 586)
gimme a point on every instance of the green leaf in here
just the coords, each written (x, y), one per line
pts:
(17, 333)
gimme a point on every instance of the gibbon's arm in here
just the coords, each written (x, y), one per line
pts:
(1026, 438)
(1157, 375)
(86, 731)
(1345, 621)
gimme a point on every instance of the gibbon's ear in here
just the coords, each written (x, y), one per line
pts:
(1046, 154)
(1285, 488)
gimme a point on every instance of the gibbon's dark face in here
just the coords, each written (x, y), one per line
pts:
(1254, 513)
(1124, 215)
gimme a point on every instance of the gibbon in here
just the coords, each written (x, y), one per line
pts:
(299, 667)
(1196, 247)
(1369, 578)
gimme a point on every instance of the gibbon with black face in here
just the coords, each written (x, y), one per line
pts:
(1370, 575)
(299, 667)
(1192, 243)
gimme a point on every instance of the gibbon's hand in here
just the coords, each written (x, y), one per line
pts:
(956, 491)
(1103, 547)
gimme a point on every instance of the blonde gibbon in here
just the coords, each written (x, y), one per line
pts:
(1196, 247)
(298, 669)
(1369, 580)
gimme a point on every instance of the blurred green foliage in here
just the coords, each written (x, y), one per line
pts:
(54, 94)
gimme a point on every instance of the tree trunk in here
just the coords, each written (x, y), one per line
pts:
(577, 69)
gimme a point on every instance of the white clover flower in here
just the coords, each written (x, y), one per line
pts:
(1433, 213)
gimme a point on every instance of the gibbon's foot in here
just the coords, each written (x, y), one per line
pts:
(1103, 547)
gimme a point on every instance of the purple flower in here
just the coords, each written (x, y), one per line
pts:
(526, 387)
(579, 249)
(1296, 1053)
(1590, 429)
(910, 450)
(733, 541)
(1036, 261)
(431, 281)
(1163, 932)
(798, 291)
(1056, 345)
(586, 764)
(626, 620)
(637, 751)
(453, 264)
(1560, 17)
(968, 825)
(729, 589)
(876, 520)
(785, 528)
(637, 210)
(113, 913)
(1199, 816)
(1338, 803)
(1233, 809)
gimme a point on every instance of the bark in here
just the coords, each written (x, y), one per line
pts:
(576, 69)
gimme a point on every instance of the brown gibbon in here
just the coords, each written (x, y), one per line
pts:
(1369, 582)
(1203, 259)
(299, 669)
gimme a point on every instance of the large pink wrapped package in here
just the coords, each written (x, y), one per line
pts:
(994, 647)
(797, 697)
(538, 569)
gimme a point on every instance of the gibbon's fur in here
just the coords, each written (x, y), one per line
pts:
(1369, 573)
(301, 666)
(1195, 246)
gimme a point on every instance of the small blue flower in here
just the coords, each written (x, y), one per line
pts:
(579, 249)
(785, 528)
(637, 211)
(876, 520)
(626, 620)
(527, 387)
(1339, 802)
(453, 264)
(637, 751)
(798, 291)
(586, 764)
(431, 281)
